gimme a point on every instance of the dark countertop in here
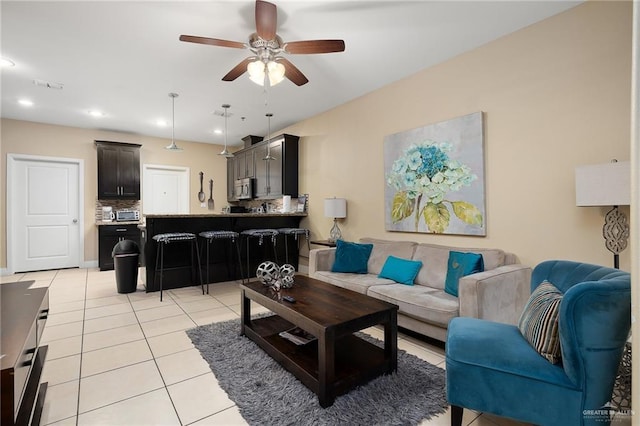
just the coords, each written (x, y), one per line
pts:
(202, 215)
(114, 223)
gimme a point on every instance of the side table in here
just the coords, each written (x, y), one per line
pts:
(326, 243)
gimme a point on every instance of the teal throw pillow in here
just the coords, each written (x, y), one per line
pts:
(400, 270)
(351, 257)
(459, 265)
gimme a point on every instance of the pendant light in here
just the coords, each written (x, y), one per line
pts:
(173, 146)
(269, 157)
(226, 152)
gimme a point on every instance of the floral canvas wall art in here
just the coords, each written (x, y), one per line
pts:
(434, 178)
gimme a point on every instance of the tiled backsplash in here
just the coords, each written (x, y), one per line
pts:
(117, 205)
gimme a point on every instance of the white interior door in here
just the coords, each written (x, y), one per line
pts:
(165, 189)
(44, 220)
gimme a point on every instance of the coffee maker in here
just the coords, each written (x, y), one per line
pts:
(107, 214)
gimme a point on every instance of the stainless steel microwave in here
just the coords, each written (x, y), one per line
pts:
(243, 189)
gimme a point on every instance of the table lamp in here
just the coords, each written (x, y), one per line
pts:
(607, 185)
(337, 209)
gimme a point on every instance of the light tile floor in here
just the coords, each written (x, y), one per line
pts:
(124, 359)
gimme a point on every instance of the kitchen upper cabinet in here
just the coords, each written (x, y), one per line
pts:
(278, 175)
(244, 162)
(118, 170)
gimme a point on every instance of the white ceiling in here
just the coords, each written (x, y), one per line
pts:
(124, 58)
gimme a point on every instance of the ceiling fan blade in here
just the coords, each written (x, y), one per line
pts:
(292, 73)
(212, 41)
(238, 70)
(314, 46)
(266, 19)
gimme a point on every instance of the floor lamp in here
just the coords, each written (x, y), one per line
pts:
(607, 185)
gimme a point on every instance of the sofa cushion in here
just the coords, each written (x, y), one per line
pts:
(435, 257)
(382, 249)
(351, 257)
(354, 282)
(460, 265)
(402, 271)
(423, 303)
(539, 321)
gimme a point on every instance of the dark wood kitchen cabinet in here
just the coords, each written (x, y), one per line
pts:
(109, 236)
(278, 175)
(245, 163)
(118, 171)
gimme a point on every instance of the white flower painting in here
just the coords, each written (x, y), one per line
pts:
(434, 178)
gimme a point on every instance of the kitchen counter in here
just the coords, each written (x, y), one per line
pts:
(114, 223)
(198, 215)
(178, 270)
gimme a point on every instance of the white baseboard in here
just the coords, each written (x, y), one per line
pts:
(89, 264)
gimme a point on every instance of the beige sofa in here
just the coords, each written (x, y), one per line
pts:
(498, 294)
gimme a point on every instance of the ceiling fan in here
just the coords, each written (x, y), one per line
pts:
(267, 66)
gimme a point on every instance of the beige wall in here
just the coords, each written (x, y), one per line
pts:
(22, 137)
(555, 95)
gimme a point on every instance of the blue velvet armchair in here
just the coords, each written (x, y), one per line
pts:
(492, 368)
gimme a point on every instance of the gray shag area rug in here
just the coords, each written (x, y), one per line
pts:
(267, 394)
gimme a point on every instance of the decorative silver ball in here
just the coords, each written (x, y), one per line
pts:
(267, 272)
(287, 270)
(287, 281)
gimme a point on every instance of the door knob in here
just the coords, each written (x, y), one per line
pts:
(75, 220)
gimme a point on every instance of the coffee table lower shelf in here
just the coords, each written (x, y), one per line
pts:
(356, 360)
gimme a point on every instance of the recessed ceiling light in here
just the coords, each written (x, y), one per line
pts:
(25, 102)
(95, 113)
(6, 63)
(217, 131)
(162, 123)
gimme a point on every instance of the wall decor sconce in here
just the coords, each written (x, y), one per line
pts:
(607, 185)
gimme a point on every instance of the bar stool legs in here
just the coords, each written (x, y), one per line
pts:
(233, 238)
(163, 239)
(297, 233)
(260, 234)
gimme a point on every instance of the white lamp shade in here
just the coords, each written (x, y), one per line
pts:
(604, 184)
(335, 207)
(256, 72)
(274, 70)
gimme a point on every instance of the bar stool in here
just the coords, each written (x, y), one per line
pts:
(232, 237)
(164, 239)
(260, 234)
(296, 232)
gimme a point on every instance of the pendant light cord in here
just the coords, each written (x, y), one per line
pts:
(173, 118)
(173, 146)
(268, 157)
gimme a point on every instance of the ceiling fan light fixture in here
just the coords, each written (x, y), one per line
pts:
(276, 72)
(256, 72)
(273, 70)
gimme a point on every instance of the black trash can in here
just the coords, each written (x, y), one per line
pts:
(126, 255)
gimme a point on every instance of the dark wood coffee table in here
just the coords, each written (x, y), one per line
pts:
(338, 360)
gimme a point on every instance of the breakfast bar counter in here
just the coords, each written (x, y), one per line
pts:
(177, 266)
